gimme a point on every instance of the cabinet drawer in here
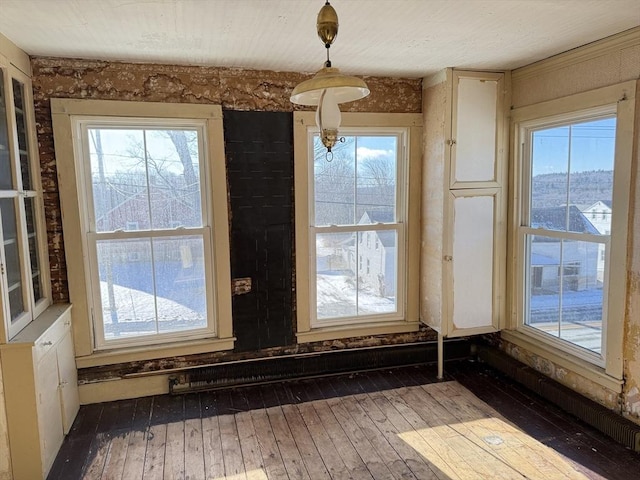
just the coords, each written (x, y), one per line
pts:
(52, 336)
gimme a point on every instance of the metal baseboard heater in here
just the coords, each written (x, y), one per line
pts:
(608, 422)
(289, 367)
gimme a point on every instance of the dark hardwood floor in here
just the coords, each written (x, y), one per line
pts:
(178, 436)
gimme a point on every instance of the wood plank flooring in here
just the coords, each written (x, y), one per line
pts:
(393, 424)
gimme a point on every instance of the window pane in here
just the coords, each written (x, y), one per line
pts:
(376, 173)
(174, 177)
(126, 287)
(593, 147)
(564, 290)
(145, 179)
(353, 277)
(581, 319)
(152, 286)
(335, 183)
(543, 283)
(359, 184)
(36, 277)
(180, 283)
(336, 280)
(572, 177)
(5, 159)
(21, 125)
(12, 257)
(119, 179)
(549, 164)
(378, 272)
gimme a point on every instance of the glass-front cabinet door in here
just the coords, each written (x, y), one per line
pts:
(22, 286)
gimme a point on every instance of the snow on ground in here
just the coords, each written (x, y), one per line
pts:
(336, 297)
(136, 313)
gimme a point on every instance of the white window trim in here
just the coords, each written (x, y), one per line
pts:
(65, 114)
(304, 126)
(33, 309)
(620, 98)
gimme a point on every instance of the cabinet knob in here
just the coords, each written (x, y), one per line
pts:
(46, 344)
(448, 258)
(63, 384)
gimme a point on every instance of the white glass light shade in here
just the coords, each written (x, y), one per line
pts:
(344, 88)
(328, 115)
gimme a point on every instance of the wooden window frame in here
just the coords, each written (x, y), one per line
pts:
(410, 125)
(619, 99)
(67, 117)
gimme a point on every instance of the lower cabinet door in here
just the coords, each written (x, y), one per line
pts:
(49, 412)
(69, 399)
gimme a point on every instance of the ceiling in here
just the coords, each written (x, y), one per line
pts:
(396, 38)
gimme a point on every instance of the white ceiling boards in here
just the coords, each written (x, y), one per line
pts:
(409, 38)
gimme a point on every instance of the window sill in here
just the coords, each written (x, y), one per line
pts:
(334, 333)
(134, 354)
(577, 365)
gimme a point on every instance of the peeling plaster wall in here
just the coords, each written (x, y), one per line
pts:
(435, 104)
(631, 350)
(606, 63)
(233, 89)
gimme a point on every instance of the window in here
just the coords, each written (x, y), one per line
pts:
(24, 283)
(362, 192)
(151, 195)
(570, 273)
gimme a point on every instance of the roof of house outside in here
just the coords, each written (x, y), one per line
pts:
(555, 218)
(377, 216)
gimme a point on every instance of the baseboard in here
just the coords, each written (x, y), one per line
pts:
(608, 422)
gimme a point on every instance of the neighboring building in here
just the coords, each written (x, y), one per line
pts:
(579, 260)
(377, 255)
(599, 214)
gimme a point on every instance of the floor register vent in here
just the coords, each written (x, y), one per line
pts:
(610, 423)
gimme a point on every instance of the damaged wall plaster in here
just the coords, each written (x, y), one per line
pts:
(233, 89)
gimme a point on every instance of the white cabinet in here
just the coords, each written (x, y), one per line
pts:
(463, 209)
(41, 391)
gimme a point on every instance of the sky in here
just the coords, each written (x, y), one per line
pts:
(592, 147)
(117, 143)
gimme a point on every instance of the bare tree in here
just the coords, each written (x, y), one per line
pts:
(380, 171)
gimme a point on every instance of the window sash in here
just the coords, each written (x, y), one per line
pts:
(524, 230)
(101, 342)
(92, 237)
(398, 226)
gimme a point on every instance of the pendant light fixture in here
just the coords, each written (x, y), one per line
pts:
(328, 87)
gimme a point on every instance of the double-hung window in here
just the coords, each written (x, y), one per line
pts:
(352, 224)
(151, 193)
(574, 159)
(24, 280)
